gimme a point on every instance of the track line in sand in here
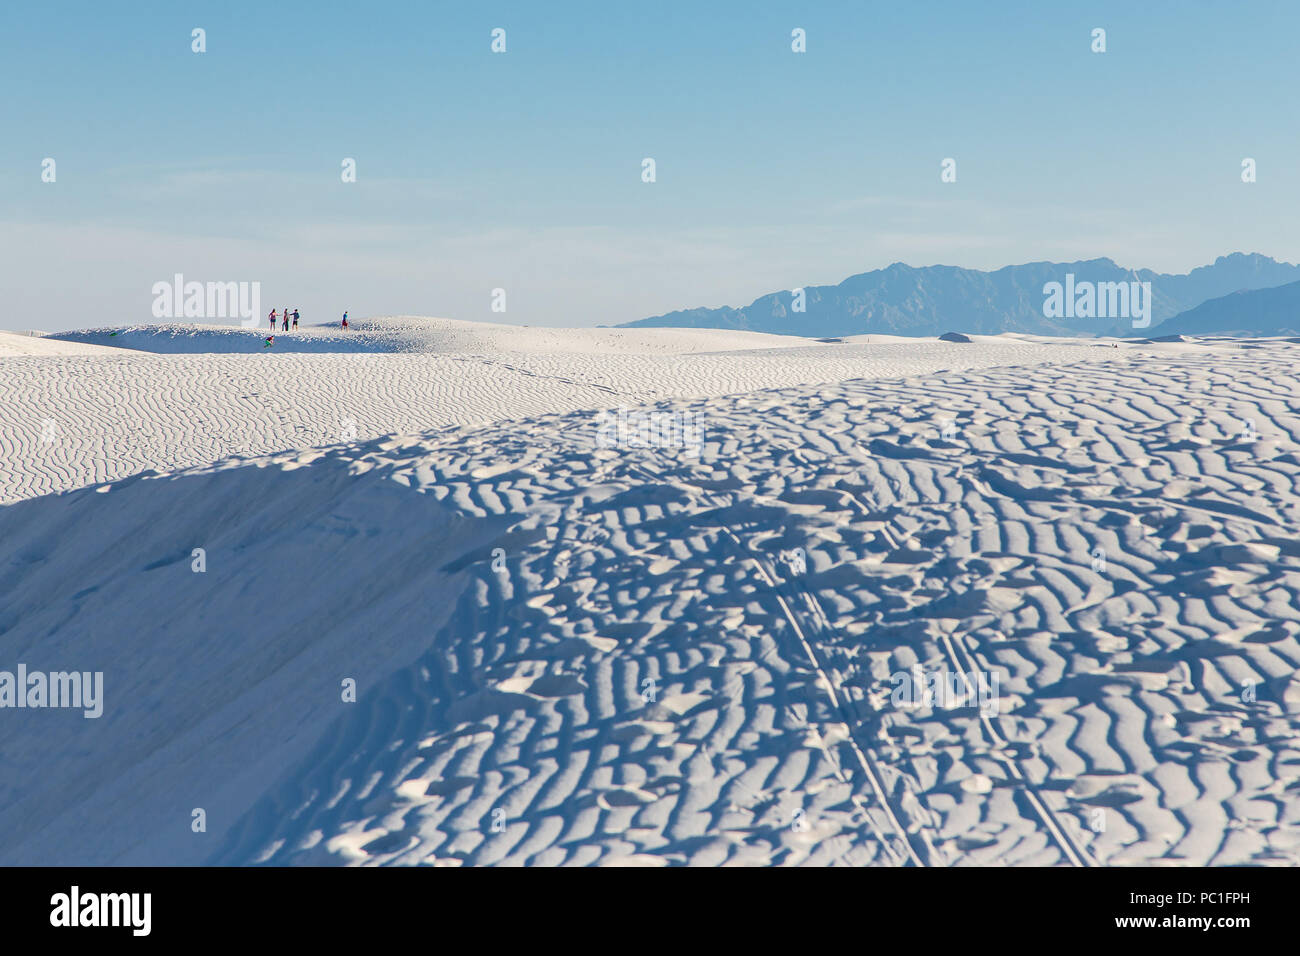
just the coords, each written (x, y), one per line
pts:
(1073, 514)
(1122, 688)
(1028, 507)
(869, 768)
(955, 648)
(1073, 851)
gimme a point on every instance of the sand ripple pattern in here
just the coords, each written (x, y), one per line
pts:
(77, 419)
(1117, 542)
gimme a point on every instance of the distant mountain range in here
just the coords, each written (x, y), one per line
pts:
(931, 300)
(1273, 311)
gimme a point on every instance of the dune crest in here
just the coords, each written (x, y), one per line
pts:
(634, 656)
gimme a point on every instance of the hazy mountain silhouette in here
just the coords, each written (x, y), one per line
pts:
(930, 300)
(1274, 311)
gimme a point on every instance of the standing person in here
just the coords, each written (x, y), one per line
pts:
(285, 318)
(295, 320)
(273, 320)
(345, 320)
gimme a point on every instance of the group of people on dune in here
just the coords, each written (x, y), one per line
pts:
(286, 316)
(286, 319)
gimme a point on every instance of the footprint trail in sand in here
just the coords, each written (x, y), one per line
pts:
(589, 655)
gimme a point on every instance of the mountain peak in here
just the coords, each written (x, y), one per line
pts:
(902, 299)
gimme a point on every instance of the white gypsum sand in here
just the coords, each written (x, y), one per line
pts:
(118, 411)
(569, 653)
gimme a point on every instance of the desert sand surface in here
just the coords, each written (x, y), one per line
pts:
(572, 653)
(16, 344)
(425, 335)
(216, 392)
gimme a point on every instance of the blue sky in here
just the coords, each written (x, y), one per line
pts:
(522, 170)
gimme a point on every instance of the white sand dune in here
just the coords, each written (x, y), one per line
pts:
(573, 654)
(71, 422)
(424, 335)
(14, 344)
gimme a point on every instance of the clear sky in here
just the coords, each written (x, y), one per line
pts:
(522, 170)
